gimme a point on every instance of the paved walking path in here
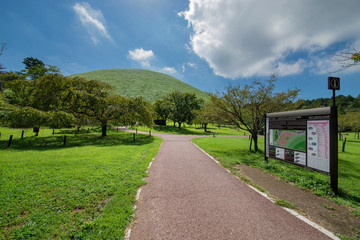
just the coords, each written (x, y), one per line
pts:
(189, 196)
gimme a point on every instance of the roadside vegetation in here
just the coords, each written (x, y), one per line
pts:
(231, 152)
(83, 190)
(193, 129)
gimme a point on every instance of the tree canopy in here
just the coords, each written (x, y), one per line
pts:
(183, 107)
(246, 106)
(54, 100)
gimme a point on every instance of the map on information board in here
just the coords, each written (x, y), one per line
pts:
(291, 139)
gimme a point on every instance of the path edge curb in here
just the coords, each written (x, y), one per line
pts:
(129, 227)
(297, 215)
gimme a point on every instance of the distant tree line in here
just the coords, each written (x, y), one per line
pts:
(345, 103)
(348, 109)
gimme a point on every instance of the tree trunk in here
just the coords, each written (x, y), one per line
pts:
(205, 126)
(179, 125)
(255, 137)
(250, 143)
(103, 130)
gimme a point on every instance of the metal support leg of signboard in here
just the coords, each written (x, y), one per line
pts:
(265, 142)
(333, 149)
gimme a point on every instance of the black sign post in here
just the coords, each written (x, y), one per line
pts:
(334, 84)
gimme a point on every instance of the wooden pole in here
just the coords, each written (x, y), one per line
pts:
(22, 134)
(64, 140)
(10, 140)
(343, 146)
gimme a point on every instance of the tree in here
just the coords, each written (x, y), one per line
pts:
(349, 122)
(183, 106)
(246, 106)
(31, 62)
(93, 100)
(35, 68)
(42, 101)
(26, 117)
(206, 115)
(162, 108)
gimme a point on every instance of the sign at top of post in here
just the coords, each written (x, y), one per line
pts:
(334, 83)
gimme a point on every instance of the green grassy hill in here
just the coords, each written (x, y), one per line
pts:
(136, 82)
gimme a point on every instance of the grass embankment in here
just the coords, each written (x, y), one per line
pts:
(192, 130)
(85, 189)
(138, 82)
(233, 151)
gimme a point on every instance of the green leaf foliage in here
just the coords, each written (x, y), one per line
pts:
(183, 106)
(26, 117)
(246, 106)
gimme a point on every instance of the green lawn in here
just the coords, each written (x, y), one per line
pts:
(85, 189)
(193, 130)
(232, 151)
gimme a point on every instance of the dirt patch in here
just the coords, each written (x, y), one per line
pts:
(331, 216)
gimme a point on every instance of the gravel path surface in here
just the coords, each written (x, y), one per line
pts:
(189, 196)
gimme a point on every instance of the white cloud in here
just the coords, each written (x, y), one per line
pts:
(93, 20)
(243, 38)
(168, 70)
(284, 69)
(142, 56)
(189, 64)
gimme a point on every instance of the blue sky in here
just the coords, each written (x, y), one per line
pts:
(205, 43)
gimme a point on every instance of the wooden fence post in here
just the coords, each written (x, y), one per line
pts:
(10, 140)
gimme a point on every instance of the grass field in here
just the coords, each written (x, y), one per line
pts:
(84, 190)
(193, 130)
(233, 151)
(137, 82)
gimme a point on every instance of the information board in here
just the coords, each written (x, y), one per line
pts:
(300, 137)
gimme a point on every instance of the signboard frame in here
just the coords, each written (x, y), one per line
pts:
(320, 151)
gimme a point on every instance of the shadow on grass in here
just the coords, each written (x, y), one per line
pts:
(56, 141)
(176, 130)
